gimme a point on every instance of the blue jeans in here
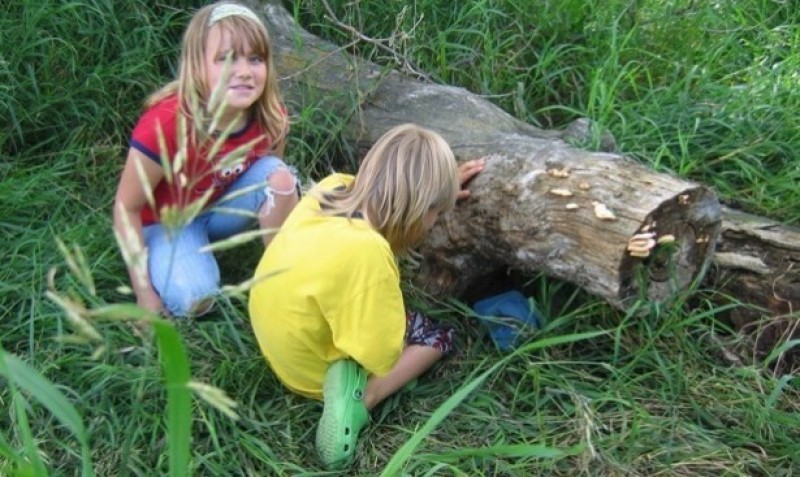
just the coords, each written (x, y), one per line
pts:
(181, 274)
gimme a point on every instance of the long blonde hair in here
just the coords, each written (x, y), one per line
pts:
(407, 173)
(245, 31)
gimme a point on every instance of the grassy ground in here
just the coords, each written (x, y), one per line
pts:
(706, 91)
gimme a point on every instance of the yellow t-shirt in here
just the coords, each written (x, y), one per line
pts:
(328, 288)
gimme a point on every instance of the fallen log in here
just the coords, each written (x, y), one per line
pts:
(757, 263)
(543, 204)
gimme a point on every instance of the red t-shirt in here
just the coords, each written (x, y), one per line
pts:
(197, 174)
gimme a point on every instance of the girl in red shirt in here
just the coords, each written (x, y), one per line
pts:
(205, 162)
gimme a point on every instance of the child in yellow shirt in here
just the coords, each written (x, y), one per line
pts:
(327, 309)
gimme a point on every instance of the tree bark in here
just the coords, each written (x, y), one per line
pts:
(757, 261)
(535, 207)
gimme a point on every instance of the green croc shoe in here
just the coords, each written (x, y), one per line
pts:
(344, 414)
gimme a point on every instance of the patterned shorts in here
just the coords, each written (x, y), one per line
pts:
(420, 330)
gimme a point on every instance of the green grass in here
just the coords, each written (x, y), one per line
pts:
(701, 89)
(707, 92)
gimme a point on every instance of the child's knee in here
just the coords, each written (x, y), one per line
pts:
(182, 275)
(188, 293)
(281, 192)
(282, 182)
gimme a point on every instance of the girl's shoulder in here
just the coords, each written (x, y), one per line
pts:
(167, 106)
(157, 123)
(163, 112)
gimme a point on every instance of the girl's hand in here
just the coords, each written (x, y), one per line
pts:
(149, 300)
(466, 172)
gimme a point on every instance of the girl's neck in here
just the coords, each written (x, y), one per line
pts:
(365, 214)
(237, 121)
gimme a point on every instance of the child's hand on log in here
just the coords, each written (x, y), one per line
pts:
(466, 172)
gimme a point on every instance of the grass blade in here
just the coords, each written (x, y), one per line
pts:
(44, 391)
(175, 365)
(509, 450)
(406, 450)
(27, 378)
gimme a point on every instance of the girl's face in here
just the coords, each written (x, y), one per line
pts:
(246, 78)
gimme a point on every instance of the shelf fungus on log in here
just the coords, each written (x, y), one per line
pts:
(641, 244)
(602, 212)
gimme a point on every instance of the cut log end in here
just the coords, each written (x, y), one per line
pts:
(672, 248)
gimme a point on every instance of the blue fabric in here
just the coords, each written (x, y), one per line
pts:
(179, 272)
(507, 315)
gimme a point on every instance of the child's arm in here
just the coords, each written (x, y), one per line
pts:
(279, 147)
(466, 172)
(128, 203)
(279, 144)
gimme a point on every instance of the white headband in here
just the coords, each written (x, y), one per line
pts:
(228, 10)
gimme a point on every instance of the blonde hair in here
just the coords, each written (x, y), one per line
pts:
(245, 31)
(407, 173)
